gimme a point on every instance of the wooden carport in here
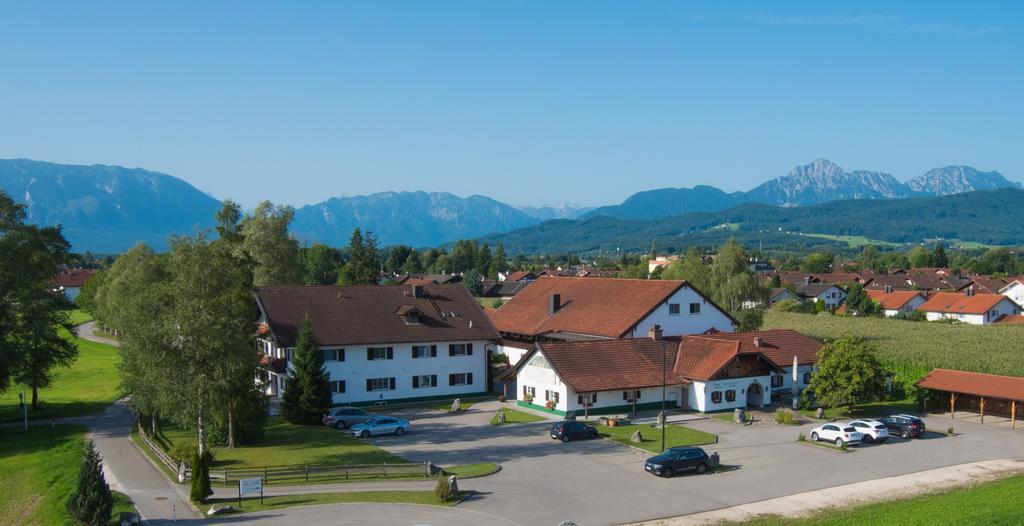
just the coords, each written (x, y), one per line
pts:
(998, 395)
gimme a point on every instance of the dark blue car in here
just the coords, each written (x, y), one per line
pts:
(678, 459)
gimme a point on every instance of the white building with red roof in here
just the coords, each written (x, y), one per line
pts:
(968, 307)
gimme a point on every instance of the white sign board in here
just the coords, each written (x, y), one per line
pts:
(250, 486)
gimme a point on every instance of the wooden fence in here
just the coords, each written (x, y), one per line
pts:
(182, 471)
(303, 473)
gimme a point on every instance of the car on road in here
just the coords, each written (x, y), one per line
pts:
(905, 426)
(677, 460)
(873, 430)
(572, 430)
(342, 417)
(381, 425)
(837, 433)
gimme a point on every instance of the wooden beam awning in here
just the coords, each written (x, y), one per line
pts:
(977, 384)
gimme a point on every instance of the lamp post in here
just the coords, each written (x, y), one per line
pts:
(663, 415)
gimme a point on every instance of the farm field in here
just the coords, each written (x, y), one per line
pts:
(920, 346)
(989, 503)
(855, 241)
(88, 386)
(38, 471)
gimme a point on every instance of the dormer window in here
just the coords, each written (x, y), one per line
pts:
(410, 313)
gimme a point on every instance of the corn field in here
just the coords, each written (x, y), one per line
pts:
(911, 349)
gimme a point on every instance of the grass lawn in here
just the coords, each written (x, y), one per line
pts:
(995, 502)
(87, 387)
(79, 316)
(873, 409)
(675, 435)
(472, 470)
(39, 471)
(490, 303)
(855, 241)
(446, 405)
(513, 416)
(251, 504)
(914, 348)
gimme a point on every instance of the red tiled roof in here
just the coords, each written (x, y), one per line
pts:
(958, 302)
(702, 358)
(518, 275)
(894, 300)
(1012, 281)
(897, 282)
(778, 345)
(1011, 319)
(979, 384)
(366, 314)
(604, 365)
(988, 284)
(73, 278)
(593, 306)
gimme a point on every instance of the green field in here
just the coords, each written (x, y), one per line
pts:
(675, 435)
(996, 502)
(79, 317)
(39, 471)
(513, 416)
(87, 387)
(855, 241)
(918, 346)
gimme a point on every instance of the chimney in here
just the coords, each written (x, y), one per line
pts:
(654, 332)
(555, 303)
(758, 342)
(807, 280)
(969, 291)
(417, 291)
(888, 289)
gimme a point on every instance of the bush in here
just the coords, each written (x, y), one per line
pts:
(183, 451)
(443, 490)
(92, 501)
(801, 438)
(785, 416)
(497, 303)
(842, 446)
(951, 432)
(502, 399)
(200, 488)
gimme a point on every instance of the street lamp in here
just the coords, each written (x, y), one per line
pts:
(664, 417)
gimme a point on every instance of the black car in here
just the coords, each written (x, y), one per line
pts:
(906, 426)
(677, 459)
(571, 430)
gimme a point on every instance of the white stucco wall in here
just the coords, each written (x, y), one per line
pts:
(740, 385)
(514, 353)
(684, 322)
(833, 297)
(907, 308)
(1004, 307)
(1015, 292)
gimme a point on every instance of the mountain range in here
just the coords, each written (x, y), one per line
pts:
(109, 208)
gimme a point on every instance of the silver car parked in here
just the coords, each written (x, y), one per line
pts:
(381, 425)
(344, 417)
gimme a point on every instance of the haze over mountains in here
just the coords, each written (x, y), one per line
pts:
(109, 208)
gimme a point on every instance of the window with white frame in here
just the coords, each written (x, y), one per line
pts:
(630, 395)
(695, 308)
(730, 395)
(460, 379)
(337, 386)
(380, 353)
(334, 355)
(424, 351)
(551, 396)
(716, 397)
(460, 349)
(380, 384)
(589, 399)
(777, 380)
(530, 392)
(673, 309)
(424, 380)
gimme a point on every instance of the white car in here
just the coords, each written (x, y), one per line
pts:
(873, 430)
(838, 433)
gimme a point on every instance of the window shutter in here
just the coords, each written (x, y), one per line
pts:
(415, 382)
(369, 385)
(469, 378)
(469, 349)
(625, 396)
(451, 379)
(391, 383)
(341, 355)
(433, 380)
(341, 386)
(524, 391)
(391, 354)
(451, 350)
(369, 354)
(433, 351)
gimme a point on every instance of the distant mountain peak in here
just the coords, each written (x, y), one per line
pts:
(957, 180)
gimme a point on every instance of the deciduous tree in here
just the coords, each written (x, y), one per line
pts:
(848, 373)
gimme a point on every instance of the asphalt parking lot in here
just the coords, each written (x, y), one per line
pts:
(600, 482)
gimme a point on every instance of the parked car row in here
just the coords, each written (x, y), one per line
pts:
(362, 424)
(869, 431)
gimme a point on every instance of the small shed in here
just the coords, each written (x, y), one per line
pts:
(978, 392)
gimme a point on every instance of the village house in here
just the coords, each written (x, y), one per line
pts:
(895, 302)
(707, 373)
(968, 307)
(380, 344)
(1015, 291)
(70, 282)
(571, 309)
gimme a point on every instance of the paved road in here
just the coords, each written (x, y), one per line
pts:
(600, 482)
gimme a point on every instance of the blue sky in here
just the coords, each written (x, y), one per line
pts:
(527, 102)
